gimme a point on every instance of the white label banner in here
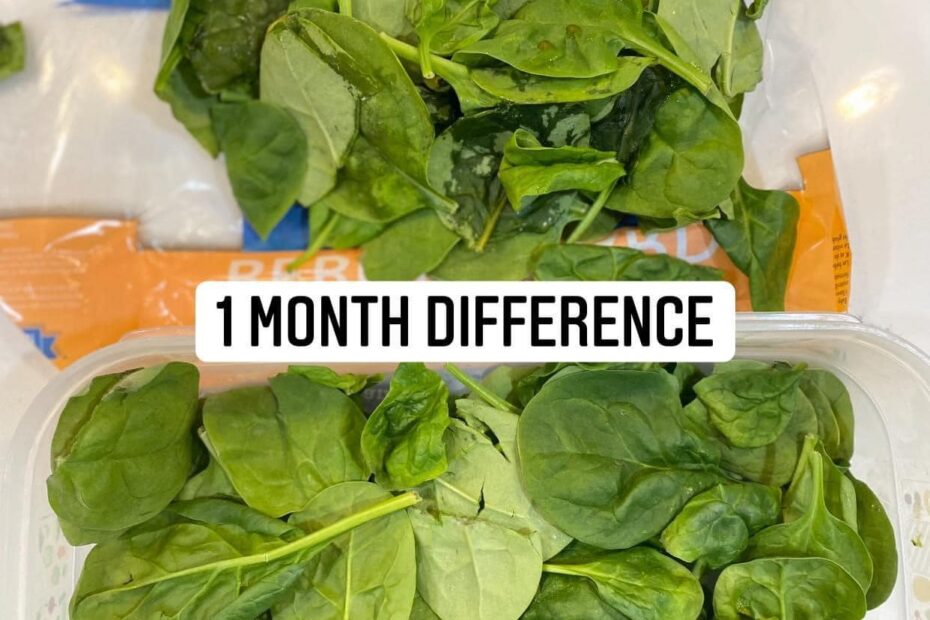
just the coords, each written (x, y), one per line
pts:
(486, 322)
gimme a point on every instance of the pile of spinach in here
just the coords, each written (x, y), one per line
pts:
(569, 491)
(461, 138)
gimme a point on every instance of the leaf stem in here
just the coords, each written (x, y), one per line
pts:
(318, 538)
(439, 65)
(491, 225)
(486, 395)
(592, 213)
(317, 244)
(345, 7)
(426, 61)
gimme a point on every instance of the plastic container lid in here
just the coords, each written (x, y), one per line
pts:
(888, 381)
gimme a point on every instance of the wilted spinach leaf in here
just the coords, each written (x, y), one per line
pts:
(595, 263)
(350, 383)
(409, 248)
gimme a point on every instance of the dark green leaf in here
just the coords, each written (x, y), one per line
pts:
(409, 248)
(613, 264)
(350, 383)
(878, 535)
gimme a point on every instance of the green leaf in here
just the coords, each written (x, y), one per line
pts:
(878, 535)
(530, 170)
(783, 588)
(605, 456)
(446, 26)
(370, 572)
(402, 440)
(344, 233)
(349, 383)
(409, 248)
(207, 560)
(384, 176)
(642, 584)
(839, 492)
(210, 483)
(191, 105)
(125, 449)
(280, 446)
(594, 263)
(569, 598)
(514, 86)
(690, 163)
(714, 527)
(295, 78)
(387, 16)
(266, 158)
(835, 391)
(816, 533)
(828, 428)
(760, 240)
(751, 408)
(495, 570)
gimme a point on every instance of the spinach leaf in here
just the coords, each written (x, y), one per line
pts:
(495, 570)
(209, 560)
(500, 424)
(816, 533)
(751, 408)
(783, 588)
(295, 78)
(124, 450)
(482, 483)
(190, 105)
(370, 572)
(878, 535)
(690, 162)
(569, 598)
(606, 458)
(828, 428)
(514, 86)
(465, 159)
(409, 248)
(760, 240)
(340, 232)
(530, 170)
(402, 440)
(835, 391)
(446, 26)
(556, 48)
(281, 446)
(384, 176)
(387, 16)
(722, 37)
(349, 383)
(422, 611)
(591, 263)
(209, 483)
(225, 47)
(641, 584)
(838, 491)
(12, 49)
(714, 528)
(266, 158)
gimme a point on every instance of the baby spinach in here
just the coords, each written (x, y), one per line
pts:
(124, 449)
(816, 533)
(878, 535)
(282, 445)
(402, 440)
(714, 527)
(12, 49)
(594, 263)
(369, 572)
(266, 158)
(751, 408)
(446, 26)
(204, 564)
(350, 383)
(785, 588)
(838, 490)
(409, 248)
(841, 404)
(530, 170)
(569, 598)
(641, 583)
(760, 239)
(605, 456)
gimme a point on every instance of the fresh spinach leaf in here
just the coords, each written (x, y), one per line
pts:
(282, 445)
(369, 572)
(641, 584)
(409, 248)
(714, 528)
(402, 440)
(530, 170)
(760, 240)
(835, 391)
(266, 158)
(878, 535)
(214, 560)
(495, 570)
(349, 383)
(783, 588)
(751, 408)
(125, 449)
(294, 77)
(569, 598)
(606, 458)
(838, 491)
(594, 263)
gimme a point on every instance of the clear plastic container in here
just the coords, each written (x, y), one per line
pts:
(889, 382)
